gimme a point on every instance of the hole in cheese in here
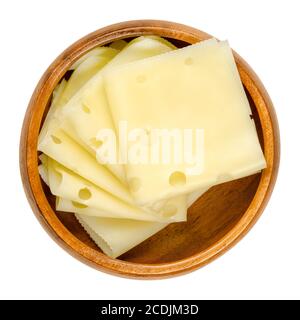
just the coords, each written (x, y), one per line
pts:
(96, 143)
(188, 61)
(140, 78)
(134, 184)
(148, 130)
(169, 210)
(55, 139)
(78, 205)
(251, 116)
(84, 194)
(177, 178)
(85, 108)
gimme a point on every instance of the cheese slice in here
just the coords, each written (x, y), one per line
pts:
(196, 87)
(162, 40)
(68, 206)
(165, 213)
(88, 112)
(55, 103)
(43, 168)
(98, 51)
(118, 44)
(63, 149)
(114, 236)
(65, 184)
(173, 210)
(140, 48)
(117, 236)
(62, 204)
(58, 145)
(85, 71)
(81, 162)
(43, 173)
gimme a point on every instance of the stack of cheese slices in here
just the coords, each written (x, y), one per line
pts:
(146, 83)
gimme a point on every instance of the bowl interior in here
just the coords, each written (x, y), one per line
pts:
(209, 219)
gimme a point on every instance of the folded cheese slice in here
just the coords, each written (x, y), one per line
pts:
(65, 184)
(62, 148)
(162, 40)
(55, 103)
(118, 44)
(43, 168)
(173, 210)
(88, 112)
(117, 236)
(165, 213)
(58, 145)
(114, 236)
(43, 173)
(85, 71)
(97, 51)
(196, 87)
(71, 206)
(66, 205)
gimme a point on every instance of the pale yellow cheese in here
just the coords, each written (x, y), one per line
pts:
(67, 152)
(118, 44)
(85, 165)
(58, 145)
(43, 168)
(114, 236)
(197, 87)
(85, 71)
(55, 103)
(162, 40)
(97, 51)
(62, 148)
(117, 236)
(174, 209)
(65, 184)
(166, 214)
(68, 206)
(88, 112)
(43, 173)
(72, 190)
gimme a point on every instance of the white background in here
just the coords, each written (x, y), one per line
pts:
(265, 264)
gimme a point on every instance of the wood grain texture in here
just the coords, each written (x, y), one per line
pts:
(216, 221)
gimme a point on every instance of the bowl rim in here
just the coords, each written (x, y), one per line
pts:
(29, 161)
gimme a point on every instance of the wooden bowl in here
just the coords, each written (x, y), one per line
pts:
(216, 221)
